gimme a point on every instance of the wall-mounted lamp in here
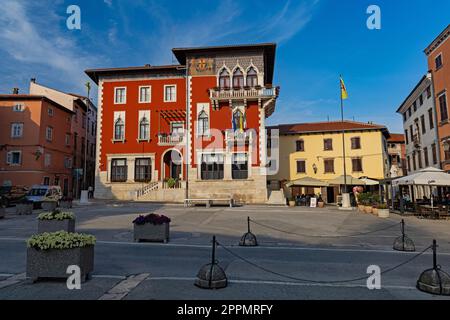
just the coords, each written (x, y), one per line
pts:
(314, 168)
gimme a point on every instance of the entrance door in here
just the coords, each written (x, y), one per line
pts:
(172, 164)
(330, 195)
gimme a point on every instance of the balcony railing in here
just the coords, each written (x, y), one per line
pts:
(237, 135)
(416, 140)
(243, 93)
(170, 139)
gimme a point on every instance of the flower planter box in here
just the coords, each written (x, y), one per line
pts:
(56, 225)
(368, 209)
(361, 208)
(375, 211)
(383, 213)
(65, 204)
(152, 232)
(53, 263)
(24, 208)
(49, 205)
(291, 203)
(320, 204)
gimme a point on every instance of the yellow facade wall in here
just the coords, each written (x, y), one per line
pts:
(372, 153)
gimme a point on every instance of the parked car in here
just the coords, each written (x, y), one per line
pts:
(10, 195)
(41, 193)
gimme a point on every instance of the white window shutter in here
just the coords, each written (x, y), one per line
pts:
(8, 157)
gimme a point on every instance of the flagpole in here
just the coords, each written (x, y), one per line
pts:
(343, 135)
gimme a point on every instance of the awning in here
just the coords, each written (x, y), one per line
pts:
(173, 114)
(370, 182)
(307, 182)
(351, 181)
(426, 177)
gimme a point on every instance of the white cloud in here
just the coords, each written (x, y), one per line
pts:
(108, 2)
(30, 36)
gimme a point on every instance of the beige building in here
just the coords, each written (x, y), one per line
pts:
(315, 150)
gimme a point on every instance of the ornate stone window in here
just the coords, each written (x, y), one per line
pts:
(252, 77)
(119, 131)
(238, 79)
(224, 79)
(144, 129)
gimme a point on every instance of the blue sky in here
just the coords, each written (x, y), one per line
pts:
(317, 40)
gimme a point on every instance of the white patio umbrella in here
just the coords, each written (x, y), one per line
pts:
(369, 182)
(426, 177)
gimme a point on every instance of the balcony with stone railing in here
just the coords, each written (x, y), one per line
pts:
(265, 96)
(165, 139)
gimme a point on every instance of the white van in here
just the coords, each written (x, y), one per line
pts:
(41, 193)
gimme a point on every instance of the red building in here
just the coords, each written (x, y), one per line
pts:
(211, 106)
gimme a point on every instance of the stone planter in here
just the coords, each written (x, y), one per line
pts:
(56, 225)
(383, 213)
(53, 263)
(152, 232)
(360, 208)
(368, 209)
(291, 203)
(375, 211)
(49, 205)
(24, 208)
(320, 204)
(65, 204)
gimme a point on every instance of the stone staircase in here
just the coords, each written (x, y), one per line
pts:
(276, 197)
(160, 192)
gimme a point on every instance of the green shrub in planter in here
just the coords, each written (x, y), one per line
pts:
(56, 220)
(50, 254)
(56, 215)
(60, 240)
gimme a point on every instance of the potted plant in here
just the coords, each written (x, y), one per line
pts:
(368, 204)
(383, 210)
(375, 208)
(152, 227)
(66, 202)
(56, 220)
(320, 202)
(361, 199)
(171, 182)
(24, 207)
(49, 254)
(291, 202)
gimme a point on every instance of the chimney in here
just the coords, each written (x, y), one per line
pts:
(33, 80)
(15, 91)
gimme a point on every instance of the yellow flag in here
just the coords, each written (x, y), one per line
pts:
(344, 94)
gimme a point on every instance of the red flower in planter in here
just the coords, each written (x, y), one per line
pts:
(152, 218)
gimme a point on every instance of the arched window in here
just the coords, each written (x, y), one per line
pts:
(202, 124)
(238, 78)
(119, 129)
(238, 121)
(224, 79)
(144, 129)
(252, 77)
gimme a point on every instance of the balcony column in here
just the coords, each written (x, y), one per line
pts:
(262, 138)
(227, 165)
(130, 167)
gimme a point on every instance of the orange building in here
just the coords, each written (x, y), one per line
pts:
(438, 53)
(33, 141)
(211, 106)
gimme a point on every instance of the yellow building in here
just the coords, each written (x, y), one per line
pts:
(314, 150)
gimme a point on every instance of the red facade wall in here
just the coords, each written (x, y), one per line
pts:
(220, 119)
(132, 107)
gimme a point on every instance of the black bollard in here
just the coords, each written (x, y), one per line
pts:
(211, 275)
(248, 239)
(404, 243)
(434, 281)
